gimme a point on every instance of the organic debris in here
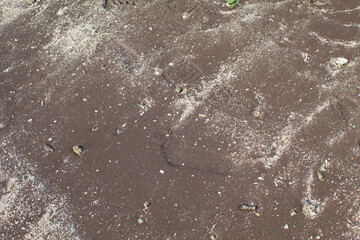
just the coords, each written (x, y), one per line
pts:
(232, 3)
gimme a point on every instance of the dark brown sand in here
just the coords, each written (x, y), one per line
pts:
(185, 110)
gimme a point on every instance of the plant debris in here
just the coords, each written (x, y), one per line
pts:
(231, 3)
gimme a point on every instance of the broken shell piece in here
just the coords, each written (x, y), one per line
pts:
(306, 57)
(320, 176)
(48, 148)
(310, 208)
(78, 150)
(256, 114)
(293, 212)
(178, 90)
(324, 166)
(146, 206)
(339, 62)
(144, 107)
(267, 166)
(247, 207)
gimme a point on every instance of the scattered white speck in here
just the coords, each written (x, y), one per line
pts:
(50, 139)
(171, 64)
(286, 226)
(30, 120)
(162, 171)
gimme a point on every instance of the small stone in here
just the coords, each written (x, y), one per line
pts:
(78, 150)
(171, 64)
(162, 171)
(202, 115)
(140, 221)
(258, 214)
(33, 47)
(286, 226)
(94, 129)
(118, 131)
(213, 237)
(85, 99)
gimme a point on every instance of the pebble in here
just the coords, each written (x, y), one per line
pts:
(286, 226)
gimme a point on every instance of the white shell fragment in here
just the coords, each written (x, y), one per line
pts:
(338, 62)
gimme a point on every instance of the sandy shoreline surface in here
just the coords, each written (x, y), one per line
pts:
(179, 119)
